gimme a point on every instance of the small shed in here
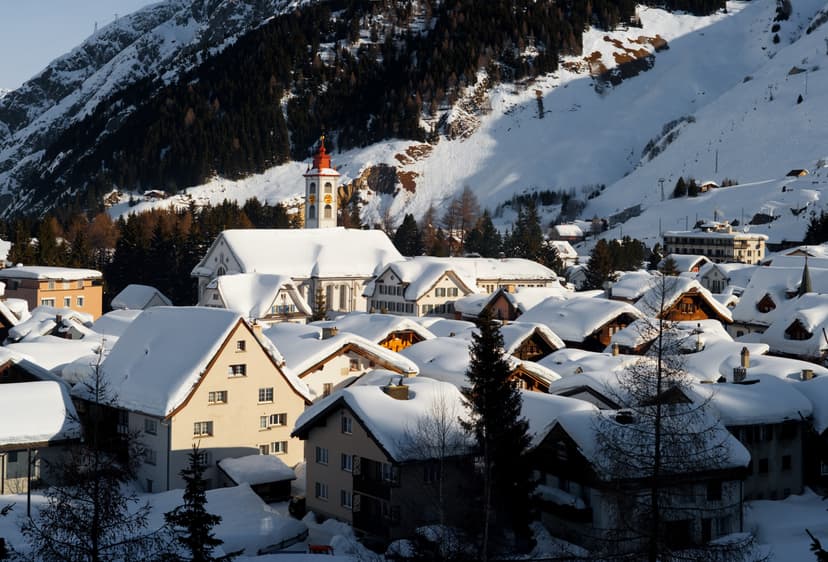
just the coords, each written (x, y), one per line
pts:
(267, 475)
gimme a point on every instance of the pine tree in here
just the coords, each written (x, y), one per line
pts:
(600, 268)
(669, 267)
(500, 434)
(656, 256)
(407, 238)
(484, 239)
(680, 190)
(320, 307)
(191, 523)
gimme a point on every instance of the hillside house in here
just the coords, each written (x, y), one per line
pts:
(365, 465)
(680, 299)
(718, 242)
(685, 263)
(567, 232)
(63, 287)
(194, 375)
(388, 330)
(718, 277)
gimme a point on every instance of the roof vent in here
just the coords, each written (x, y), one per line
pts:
(807, 374)
(739, 374)
(329, 332)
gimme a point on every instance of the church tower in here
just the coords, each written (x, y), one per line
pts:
(321, 185)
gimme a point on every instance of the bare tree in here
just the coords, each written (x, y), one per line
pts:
(91, 516)
(667, 458)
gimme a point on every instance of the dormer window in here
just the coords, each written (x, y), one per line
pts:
(766, 304)
(796, 331)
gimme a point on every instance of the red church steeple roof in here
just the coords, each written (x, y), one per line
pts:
(322, 159)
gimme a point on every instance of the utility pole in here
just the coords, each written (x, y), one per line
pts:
(717, 161)
(661, 184)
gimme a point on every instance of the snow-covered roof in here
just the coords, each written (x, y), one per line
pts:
(685, 262)
(568, 230)
(630, 285)
(474, 303)
(576, 319)
(522, 299)
(674, 288)
(811, 311)
(305, 253)
(48, 272)
(253, 294)
(514, 334)
(770, 400)
(162, 355)
(138, 297)
(778, 283)
(113, 323)
(419, 274)
(737, 274)
(51, 352)
(448, 328)
(447, 359)
(303, 353)
(44, 319)
(542, 411)
(564, 249)
(375, 327)
(5, 248)
(36, 412)
(391, 422)
(256, 469)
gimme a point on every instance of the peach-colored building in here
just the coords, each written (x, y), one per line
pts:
(58, 287)
(184, 376)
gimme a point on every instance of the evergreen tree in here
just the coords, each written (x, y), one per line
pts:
(526, 240)
(407, 238)
(680, 190)
(191, 523)
(669, 267)
(484, 239)
(692, 188)
(656, 255)
(600, 268)
(320, 307)
(500, 434)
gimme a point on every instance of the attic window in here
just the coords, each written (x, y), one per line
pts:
(766, 304)
(796, 331)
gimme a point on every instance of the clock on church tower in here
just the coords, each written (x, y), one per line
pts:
(321, 184)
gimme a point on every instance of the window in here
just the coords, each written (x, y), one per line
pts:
(387, 472)
(328, 187)
(786, 462)
(347, 425)
(763, 466)
(264, 449)
(67, 302)
(266, 394)
(217, 397)
(278, 419)
(346, 499)
(431, 473)
(204, 458)
(150, 426)
(241, 345)
(149, 486)
(237, 370)
(321, 491)
(47, 302)
(80, 284)
(312, 212)
(328, 211)
(327, 388)
(440, 292)
(51, 285)
(262, 422)
(79, 301)
(149, 456)
(346, 462)
(321, 455)
(278, 447)
(353, 365)
(11, 456)
(312, 187)
(714, 490)
(203, 429)
(452, 292)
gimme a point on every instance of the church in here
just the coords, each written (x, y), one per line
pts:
(338, 261)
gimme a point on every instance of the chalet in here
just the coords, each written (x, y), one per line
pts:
(630, 285)
(566, 253)
(685, 262)
(505, 305)
(798, 328)
(717, 277)
(681, 299)
(139, 297)
(388, 330)
(258, 297)
(337, 360)
(706, 186)
(584, 323)
(192, 375)
(365, 466)
(78, 289)
(567, 232)
(580, 494)
(336, 263)
(528, 341)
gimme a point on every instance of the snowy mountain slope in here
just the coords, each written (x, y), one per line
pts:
(585, 137)
(754, 133)
(163, 39)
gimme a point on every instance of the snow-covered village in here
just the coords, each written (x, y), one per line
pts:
(415, 280)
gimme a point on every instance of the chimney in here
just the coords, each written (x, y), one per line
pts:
(329, 332)
(739, 374)
(615, 349)
(807, 374)
(745, 358)
(397, 391)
